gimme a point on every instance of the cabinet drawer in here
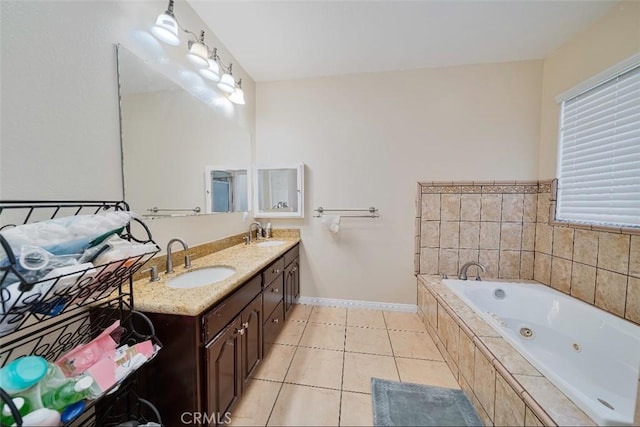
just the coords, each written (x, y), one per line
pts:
(291, 255)
(272, 295)
(215, 320)
(272, 271)
(272, 327)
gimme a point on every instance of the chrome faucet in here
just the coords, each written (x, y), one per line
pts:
(465, 267)
(258, 231)
(187, 258)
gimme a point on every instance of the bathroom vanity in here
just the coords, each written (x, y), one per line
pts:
(208, 357)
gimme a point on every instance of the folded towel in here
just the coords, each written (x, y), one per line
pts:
(331, 223)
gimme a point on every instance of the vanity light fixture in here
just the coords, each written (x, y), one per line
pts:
(212, 72)
(227, 82)
(237, 97)
(198, 52)
(166, 27)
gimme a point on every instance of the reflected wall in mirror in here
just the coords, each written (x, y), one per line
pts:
(279, 191)
(226, 189)
(169, 138)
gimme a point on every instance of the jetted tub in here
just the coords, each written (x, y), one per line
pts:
(592, 356)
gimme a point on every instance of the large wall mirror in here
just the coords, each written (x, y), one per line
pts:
(171, 142)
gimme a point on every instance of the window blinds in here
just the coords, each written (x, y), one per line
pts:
(599, 154)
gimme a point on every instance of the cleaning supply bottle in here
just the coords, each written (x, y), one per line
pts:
(23, 405)
(70, 392)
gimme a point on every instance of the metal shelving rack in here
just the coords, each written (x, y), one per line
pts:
(47, 321)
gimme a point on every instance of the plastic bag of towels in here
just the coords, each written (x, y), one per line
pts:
(55, 254)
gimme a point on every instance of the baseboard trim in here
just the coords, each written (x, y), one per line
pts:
(372, 305)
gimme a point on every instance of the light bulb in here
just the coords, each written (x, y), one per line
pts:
(212, 72)
(237, 97)
(227, 83)
(166, 29)
(198, 54)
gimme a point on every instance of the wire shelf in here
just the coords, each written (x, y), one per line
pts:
(50, 317)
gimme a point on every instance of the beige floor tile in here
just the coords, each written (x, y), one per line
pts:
(290, 333)
(403, 321)
(255, 406)
(366, 318)
(275, 365)
(356, 409)
(330, 337)
(417, 345)
(360, 368)
(300, 312)
(335, 315)
(299, 405)
(367, 340)
(429, 372)
(316, 367)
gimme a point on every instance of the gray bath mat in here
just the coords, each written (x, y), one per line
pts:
(406, 404)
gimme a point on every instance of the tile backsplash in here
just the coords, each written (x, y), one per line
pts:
(510, 228)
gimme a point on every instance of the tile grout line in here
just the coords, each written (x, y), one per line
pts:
(393, 353)
(344, 356)
(289, 367)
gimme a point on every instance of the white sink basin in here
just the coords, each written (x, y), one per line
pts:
(271, 243)
(201, 277)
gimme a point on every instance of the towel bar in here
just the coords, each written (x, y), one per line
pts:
(373, 212)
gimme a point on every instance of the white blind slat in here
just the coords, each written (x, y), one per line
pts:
(599, 154)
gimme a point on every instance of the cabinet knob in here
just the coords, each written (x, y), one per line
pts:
(276, 290)
(275, 320)
(294, 269)
(275, 271)
(240, 331)
(245, 325)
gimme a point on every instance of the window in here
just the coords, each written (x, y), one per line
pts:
(599, 150)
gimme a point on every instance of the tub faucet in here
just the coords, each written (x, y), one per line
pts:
(258, 231)
(465, 267)
(187, 258)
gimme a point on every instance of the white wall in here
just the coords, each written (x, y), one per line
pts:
(366, 139)
(60, 133)
(610, 40)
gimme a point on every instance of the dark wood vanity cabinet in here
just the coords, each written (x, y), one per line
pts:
(231, 357)
(208, 359)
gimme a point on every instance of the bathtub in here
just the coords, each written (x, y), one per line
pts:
(593, 357)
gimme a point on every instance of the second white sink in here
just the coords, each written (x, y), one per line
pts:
(201, 277)
(271, 243)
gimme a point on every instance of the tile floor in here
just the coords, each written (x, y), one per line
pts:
(319, 371)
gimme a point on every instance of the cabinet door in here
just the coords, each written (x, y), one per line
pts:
(291, 284)
(295, 270)
(289, 287)
(224, 369)
(252, 339)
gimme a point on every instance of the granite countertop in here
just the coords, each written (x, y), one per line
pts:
(248, 260)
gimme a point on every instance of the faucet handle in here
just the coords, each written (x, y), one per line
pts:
(187, 261)
(154, 273)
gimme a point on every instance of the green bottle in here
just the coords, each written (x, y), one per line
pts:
(22, 405)
(70, 392)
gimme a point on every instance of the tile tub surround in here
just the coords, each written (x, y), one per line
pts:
(503, 386)
(490, 222)
(510, 227)
(248, 260)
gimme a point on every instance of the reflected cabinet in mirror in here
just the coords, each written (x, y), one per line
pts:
(170, 139)
(279, 191)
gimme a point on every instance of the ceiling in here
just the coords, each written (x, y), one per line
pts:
(280, 40)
